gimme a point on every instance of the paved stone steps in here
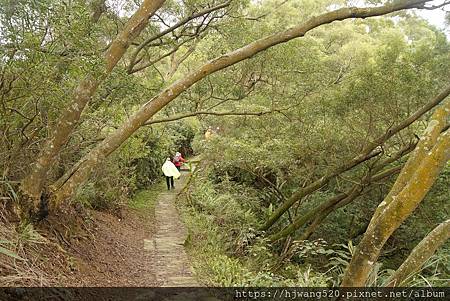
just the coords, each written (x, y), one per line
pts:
(172, 263)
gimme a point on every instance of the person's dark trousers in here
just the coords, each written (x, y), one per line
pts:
(169, 182)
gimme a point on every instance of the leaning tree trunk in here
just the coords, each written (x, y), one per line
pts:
(115, 139)
(420, 254)
(317, 215)
(341, 199)
(411, 186)
(33, 184)
(351, 195)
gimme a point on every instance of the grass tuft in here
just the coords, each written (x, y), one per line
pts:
(146, 199)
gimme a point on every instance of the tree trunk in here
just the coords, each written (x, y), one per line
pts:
(415, 180)
(33, 184)
(420, 254)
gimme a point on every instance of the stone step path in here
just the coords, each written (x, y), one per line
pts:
(171, 261)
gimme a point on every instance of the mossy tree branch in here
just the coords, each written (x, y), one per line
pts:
(33, 184)
(420, 254)
(413, 183)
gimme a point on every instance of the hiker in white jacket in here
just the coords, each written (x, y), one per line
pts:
(170, 171)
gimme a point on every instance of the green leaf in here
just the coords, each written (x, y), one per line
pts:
(10, 253)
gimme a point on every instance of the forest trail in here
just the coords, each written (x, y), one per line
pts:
(321, 140)
(170, 259)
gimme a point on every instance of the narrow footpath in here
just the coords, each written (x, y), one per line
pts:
(170, 259)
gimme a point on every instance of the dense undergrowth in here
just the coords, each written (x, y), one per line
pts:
(223, 243)
(29, 259)
(226, 249)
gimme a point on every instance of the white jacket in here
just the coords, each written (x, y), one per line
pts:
(169, 169)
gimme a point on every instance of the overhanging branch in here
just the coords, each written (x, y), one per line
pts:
(172, 28)
(231, 113)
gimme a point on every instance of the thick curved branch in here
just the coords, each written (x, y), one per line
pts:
(318, 214)
(186, 115)
(154, 105)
